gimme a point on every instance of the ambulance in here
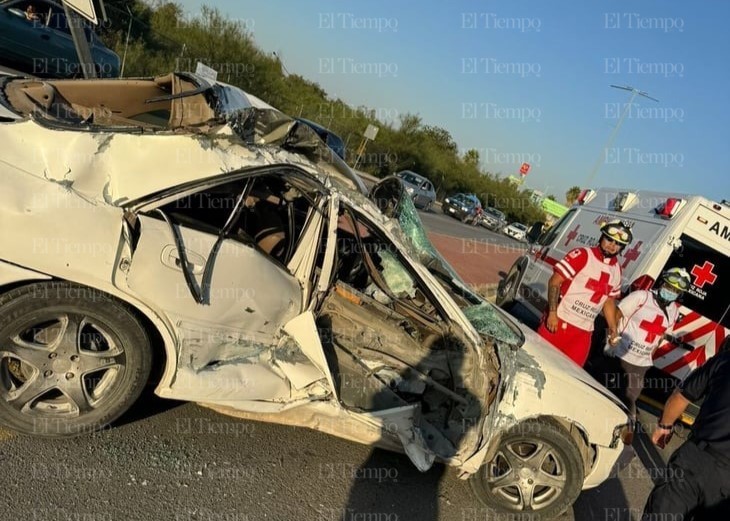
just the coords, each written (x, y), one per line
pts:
(670, 230)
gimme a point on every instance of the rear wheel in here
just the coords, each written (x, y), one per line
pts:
(72, 359)
(537, 472)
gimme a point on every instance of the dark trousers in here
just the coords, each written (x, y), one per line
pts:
(696, 486)
(632, 385)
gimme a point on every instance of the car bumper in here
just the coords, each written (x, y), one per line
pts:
(607, 464)
(455, 212)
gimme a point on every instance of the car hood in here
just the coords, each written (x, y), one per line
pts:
(556, 364)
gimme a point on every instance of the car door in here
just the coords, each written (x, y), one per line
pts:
(239, 315)
(399, 362)
(548, 250)
(425, 193)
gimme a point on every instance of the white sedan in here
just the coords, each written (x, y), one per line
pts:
(516, 231)
(184, 225)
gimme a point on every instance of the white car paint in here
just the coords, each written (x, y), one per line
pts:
(62, 216)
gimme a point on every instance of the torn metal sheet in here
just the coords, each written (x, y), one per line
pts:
(404, 422)
(137, 124)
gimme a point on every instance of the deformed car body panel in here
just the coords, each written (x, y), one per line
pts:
(179, 125)
(233, 296)
(449, 372)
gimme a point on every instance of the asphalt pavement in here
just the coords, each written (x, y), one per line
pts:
(178, 461)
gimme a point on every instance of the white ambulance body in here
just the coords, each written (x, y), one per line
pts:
(669, 230)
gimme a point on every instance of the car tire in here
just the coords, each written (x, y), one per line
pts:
(507, 289)
(427, 208)
(72, 359)
(537, 472)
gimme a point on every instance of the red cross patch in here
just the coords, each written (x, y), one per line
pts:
(653, 329)
(599, 287)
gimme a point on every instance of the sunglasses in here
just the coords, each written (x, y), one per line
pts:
(616, 234)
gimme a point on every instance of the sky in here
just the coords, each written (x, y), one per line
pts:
(528, 81)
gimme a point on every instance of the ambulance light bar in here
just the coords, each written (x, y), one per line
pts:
(586, 195)
(669, 208)
(624, 200)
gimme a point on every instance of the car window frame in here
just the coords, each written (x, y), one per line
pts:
(405, 261)
(152, 209)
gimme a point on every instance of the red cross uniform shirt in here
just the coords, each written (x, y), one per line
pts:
(642, 326)
(590, 279)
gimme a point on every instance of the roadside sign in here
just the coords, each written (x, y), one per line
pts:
(524, 168)
(206, 72)
(85, 8)
(371, 132)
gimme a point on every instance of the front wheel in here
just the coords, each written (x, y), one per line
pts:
(536, 472)
(72, 359)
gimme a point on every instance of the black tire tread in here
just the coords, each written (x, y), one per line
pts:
(19, 301)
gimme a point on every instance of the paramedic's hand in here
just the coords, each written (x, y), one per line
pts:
(613, 338)
(552, 322)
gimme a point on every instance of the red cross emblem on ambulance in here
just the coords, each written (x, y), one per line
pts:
(703, 274)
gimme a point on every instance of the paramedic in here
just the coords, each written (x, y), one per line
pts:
(584, 282)
(644, 318)
(697, 479)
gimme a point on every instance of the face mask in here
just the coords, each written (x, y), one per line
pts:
(667, 295)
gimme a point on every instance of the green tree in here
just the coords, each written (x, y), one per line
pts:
(572, 195)
(471, 157)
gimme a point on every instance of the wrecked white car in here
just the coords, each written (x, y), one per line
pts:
(182, 224)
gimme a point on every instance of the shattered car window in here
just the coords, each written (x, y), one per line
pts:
(396, 276)
(482, 315)
(265, 211)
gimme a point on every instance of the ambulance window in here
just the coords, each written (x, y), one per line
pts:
(557, 229)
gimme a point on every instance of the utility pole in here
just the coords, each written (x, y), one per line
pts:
(602, 157)
(76, 26)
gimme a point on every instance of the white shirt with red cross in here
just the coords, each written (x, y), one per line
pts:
(590, 279)
(642, 326)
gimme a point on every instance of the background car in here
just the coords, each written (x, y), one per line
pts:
(462, 206)
(516, 231)
(419, 188)
(44, 47)
(493, 219)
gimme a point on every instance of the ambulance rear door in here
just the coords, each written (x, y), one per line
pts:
(704, 322)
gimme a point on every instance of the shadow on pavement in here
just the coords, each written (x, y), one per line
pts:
(146, 406)
(390, 486)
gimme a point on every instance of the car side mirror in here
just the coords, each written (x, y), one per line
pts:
(533, 234)
(387, 196)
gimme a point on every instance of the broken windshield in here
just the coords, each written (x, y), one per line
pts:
(485, 318)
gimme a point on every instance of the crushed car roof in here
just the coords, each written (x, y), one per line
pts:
(125, 139)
